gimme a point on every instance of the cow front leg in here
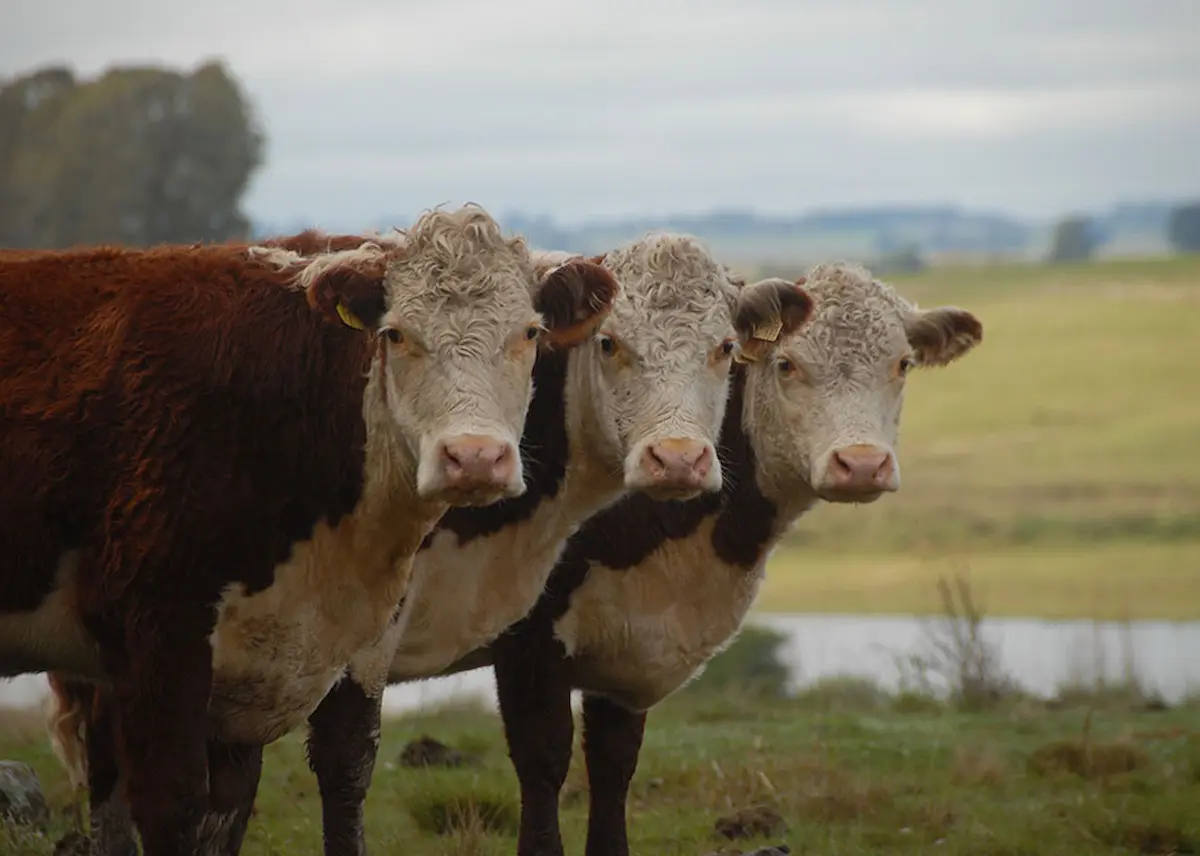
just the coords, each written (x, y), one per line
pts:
(233, 773)
(612, 741)
(161, 696)
(343, 739)
(111, 825)
(535, 704)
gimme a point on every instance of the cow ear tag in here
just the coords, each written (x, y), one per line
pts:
(348, 317)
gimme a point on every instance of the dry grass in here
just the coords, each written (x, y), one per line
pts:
(978, 765)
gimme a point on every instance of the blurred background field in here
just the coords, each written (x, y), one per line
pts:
(1057, 464)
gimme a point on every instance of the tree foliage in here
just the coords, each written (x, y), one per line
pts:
(138, 156)
(1074, 240)
(1183, 228)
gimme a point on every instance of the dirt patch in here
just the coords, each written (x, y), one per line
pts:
(754, 822)
(1152, 840)
(72, 844)
(427, 752)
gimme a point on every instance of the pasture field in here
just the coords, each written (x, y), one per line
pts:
(1057, 464)
(850, 772)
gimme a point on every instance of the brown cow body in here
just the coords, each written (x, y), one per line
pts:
(213, 493)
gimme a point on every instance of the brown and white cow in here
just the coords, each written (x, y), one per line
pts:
(647, 591)
(219, 462)
(637, 408)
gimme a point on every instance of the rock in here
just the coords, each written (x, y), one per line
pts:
(21, 799)
(72, 844)
(751, 822)
(427, 752)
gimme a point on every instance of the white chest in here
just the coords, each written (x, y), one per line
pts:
(277, 652)
(462, 598)
(639, 634)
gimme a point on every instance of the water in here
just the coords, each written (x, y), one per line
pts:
(1040, 656)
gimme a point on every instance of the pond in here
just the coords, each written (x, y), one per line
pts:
(1040, 656)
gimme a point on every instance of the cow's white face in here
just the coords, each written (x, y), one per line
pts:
(825, 395)
(658, 367)
(457, 315)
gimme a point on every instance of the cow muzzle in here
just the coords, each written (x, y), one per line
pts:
(674, 468)
(470, 469)
(858, 473)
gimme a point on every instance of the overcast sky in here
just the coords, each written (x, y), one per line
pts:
(583, 109)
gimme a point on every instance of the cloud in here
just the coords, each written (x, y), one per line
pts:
(574, 107)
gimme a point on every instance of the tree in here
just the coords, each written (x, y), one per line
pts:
(1074, 240)
(1183, 228)
(139, 156)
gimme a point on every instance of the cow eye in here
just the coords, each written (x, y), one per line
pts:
(607, 344)
(727, 347)
(785, 366)
(394, 336)
(906, 364)
(532, 333)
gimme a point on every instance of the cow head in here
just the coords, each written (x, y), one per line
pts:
(456, 313)
(652, 381)
(824, 393)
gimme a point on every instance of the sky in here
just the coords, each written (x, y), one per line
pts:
(584, 110)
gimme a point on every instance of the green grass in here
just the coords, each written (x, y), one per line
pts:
(1059, 460)
(850, 769)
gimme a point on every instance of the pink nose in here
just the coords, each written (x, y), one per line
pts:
(471, 462)
(678, 463)
(860, 469)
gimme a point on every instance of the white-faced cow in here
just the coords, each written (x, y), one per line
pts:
(647, 591)
(637, 407)
(220, 461)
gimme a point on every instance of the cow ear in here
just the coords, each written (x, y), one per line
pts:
(574, 299)
(940, 336)
(767, 311)
(348, 288)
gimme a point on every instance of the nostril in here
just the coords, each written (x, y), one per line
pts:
(840, 465)
(703, 462)
(655, 459)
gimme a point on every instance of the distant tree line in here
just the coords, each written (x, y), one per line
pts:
(1077, 237)
(137, 156)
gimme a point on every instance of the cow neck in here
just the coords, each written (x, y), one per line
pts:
(391, 511)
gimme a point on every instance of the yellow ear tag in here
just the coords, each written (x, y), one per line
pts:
(768, 332)
(348, 317)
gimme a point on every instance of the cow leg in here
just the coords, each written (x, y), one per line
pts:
(112, 832)
(535, 703)
(612, 739)
(343, 739)
(233, 773)
(161, 695)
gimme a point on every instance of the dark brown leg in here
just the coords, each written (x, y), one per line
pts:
(343, 739)
(233, 773)
(112, 832)
(161, 705)
(535, 704)
(612, 739)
